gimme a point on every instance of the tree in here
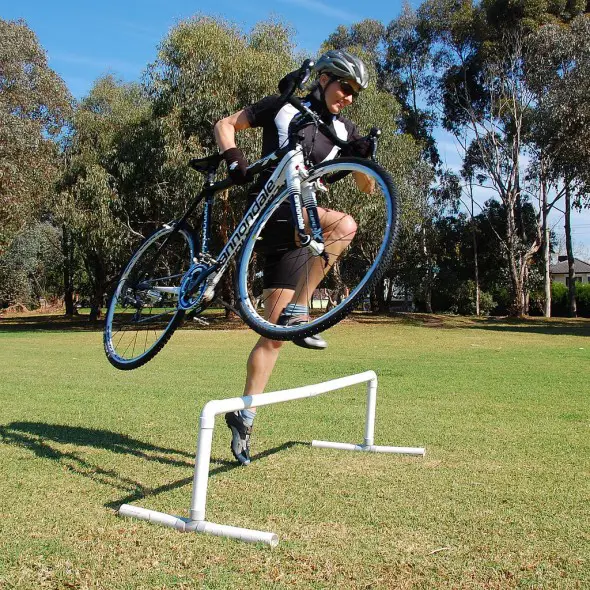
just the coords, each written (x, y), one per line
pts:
(399, 152)
(31, 267)
(110, 152)
(34, 107)
(559, 72)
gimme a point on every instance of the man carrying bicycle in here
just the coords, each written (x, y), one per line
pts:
(341, 76)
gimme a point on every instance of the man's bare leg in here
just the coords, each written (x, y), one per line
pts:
(339, 230)
(260, 365)
(264, 355)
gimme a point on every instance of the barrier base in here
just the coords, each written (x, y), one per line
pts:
(324, 444)
(186, 525)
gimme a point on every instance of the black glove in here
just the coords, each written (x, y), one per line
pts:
(237, 165)
(361, 148)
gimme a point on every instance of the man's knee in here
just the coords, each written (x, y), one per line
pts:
(344, 227)
(269, 344)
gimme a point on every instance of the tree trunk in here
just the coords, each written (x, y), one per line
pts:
(68, 270)
(546, 251)
(516, 276)
(570, 251)
(475, 260)
(96, 270)
(428, 278)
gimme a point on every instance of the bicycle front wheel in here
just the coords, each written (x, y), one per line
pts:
(143, 312)
(359, 232)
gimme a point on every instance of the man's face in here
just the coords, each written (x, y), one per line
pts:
(338, 93)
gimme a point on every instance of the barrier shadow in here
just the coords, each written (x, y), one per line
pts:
(38, 436)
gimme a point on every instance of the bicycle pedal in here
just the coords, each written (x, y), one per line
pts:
(200, 321)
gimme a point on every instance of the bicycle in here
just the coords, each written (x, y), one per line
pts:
(173, 272)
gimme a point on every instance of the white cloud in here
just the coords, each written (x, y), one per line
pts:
(98, 64)
(322, 8)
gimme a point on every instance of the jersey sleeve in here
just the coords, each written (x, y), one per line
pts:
(262, 112)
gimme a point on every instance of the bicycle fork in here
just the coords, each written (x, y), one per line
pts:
(305, 194)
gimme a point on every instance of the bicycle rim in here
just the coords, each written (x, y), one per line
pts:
(359, 240)
(143, 311)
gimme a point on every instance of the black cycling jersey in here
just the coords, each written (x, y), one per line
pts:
(274, 119)
(282, 258)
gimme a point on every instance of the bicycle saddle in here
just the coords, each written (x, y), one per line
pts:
(207, 164)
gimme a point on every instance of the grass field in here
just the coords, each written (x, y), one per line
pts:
(501, 500)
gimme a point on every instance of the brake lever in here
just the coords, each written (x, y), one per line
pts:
(306, 68)
(374, 135)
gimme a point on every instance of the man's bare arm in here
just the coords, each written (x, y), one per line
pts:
(225, 130)
(365, 183)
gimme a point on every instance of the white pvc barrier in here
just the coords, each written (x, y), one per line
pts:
(197, 522)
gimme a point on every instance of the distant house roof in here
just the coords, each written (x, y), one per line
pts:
(562, 267)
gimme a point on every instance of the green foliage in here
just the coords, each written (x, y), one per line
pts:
(583, 299)
(559, 73)
(34, 106)
(465, 300)
(31, 267)
(559, 299)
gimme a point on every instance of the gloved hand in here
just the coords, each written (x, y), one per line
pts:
(237, 165)
(361, 148)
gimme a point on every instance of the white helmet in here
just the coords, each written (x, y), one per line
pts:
(343, 65)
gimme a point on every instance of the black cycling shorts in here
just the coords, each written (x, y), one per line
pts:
(284, 261)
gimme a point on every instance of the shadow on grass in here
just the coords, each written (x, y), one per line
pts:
(216, 320)
(556, 326)
(38, 436)
(550, 326)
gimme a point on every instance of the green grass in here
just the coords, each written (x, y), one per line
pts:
(501, 499)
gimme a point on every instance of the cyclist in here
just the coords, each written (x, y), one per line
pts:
(341, 76)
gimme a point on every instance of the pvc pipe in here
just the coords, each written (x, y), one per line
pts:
(324, 444)
(222, 406)
(201, 475)
(175, 522)
(199, 526)
(371, 409)
(214, 407)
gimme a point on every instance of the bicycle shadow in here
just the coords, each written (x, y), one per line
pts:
(39, 436)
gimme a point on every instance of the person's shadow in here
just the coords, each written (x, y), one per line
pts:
(38, 438)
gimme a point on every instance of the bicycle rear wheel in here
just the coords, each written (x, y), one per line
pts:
(359, 232)
(143, 312)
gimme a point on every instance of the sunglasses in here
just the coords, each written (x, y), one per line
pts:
(347, 89)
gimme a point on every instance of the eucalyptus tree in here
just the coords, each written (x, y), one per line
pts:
(559, 71)
(480, 53)
(205, 70)
(34, 107)
(97, 202)
(399, 152)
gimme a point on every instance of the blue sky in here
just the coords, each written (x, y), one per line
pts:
(85, 40)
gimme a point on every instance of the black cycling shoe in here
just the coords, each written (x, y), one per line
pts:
(240, 442)
(315, 342)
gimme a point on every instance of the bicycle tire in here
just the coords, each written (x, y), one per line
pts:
(248, 300)
(138, 284)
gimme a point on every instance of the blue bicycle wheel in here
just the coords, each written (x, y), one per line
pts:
(359, 237)
(143, 311)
